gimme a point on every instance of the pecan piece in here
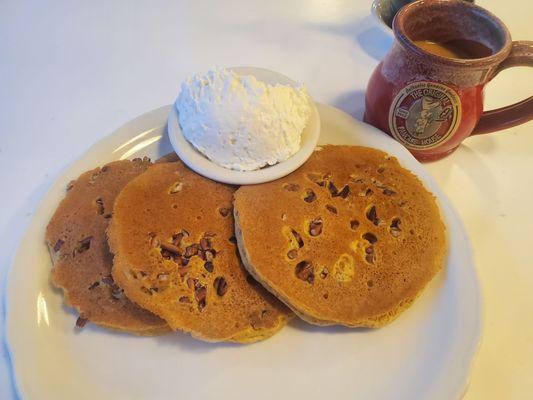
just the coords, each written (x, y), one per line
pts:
(175, 188)
(191, 251)
(304, 271)
(370, 237)
(331, 209)
(354, 224)
(344, 192)
(332, 189)
(394, 228)
(200, 292)
(291, 187)
(310, 196)
(81, 322)
(83, 245)
(369, 254)
(177, 238)
(209, 266)
(58, 245)
(224, 211)
(221, 286)
(298, 238)
(372, 215)
(192, 283)
(292, 254)
(209, 255)
(171, 248)
(205, 243)
(100, 205)
(315, 227)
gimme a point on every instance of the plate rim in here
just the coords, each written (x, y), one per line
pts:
(159, 118)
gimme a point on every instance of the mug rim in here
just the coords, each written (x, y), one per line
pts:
(398, 26)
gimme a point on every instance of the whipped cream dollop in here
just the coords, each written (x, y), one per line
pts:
(239, 122)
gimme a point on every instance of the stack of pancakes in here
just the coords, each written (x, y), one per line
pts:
(349, 238)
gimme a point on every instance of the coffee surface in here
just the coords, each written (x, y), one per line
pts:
(458, 48)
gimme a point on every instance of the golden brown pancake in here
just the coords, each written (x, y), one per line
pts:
(175, 255)
(76, 237)
(349, 238)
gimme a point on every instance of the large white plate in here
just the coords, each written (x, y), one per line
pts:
(424, 354)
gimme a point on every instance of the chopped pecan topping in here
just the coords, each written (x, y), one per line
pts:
(292, 254)
(209, 255)
(209, 266)
(345, 191)
(310, 196)
(370, 237)
(100, 205)
(332, 189)
(394, 228)
(315, 227)
(171, 248)
(108, 280)
(224, 211)
(177, 238)
(298, 238)
(366, 193)
(369, 254)
(291, 187)
(221, 286)
(191, 251)
(205, 243)
(81, 322)
(175, 188)
(354, 224)
(83, 245)
(372, 215)
(304, 271)
(192, 283)
(331, 209)
(58, 245)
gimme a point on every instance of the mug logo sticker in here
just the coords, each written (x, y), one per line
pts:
(424, 115)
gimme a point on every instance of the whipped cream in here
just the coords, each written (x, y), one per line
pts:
(240, 122)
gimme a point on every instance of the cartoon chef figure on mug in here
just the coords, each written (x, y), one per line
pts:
(426, 116)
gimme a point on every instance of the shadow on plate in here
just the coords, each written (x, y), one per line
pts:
(301, 325)
(352, 103)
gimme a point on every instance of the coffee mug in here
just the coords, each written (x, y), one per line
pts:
(427, 93)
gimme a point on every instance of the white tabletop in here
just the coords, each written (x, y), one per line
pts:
(73, 71)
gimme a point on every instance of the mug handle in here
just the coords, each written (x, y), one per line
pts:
(506, 117)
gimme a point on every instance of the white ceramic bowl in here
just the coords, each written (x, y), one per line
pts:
(202, 165)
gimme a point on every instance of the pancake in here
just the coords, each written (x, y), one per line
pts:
(349, 238)
(169, 157)
(76, 238)
(172, 235)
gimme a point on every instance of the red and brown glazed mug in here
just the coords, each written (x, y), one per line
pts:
(427, 93)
